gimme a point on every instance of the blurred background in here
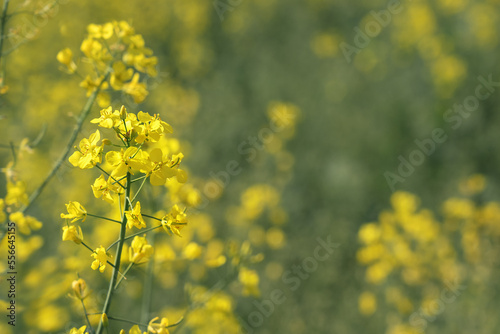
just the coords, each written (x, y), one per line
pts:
(361, 84)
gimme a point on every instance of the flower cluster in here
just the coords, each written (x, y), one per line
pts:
(116, 57)
(410, 250)
(134, 153)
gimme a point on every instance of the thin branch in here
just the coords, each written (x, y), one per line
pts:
(111, 220)
(116, 181)
(86, 317)
(85, 112)
(134, 235)
(139, 190)
(2, 23)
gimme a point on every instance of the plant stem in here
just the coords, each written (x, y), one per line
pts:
(148, 286)
(114, 275)
(123, 276)
(139, 190)
(90, 249)
(83, 115)
(116, 181)
(111, 220)
(2, 24)
(152, 217)
(133, 235)
(86, 316)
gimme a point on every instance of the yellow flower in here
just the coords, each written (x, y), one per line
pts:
(158, 328)
(65, 57)
(134, 330)
(76, 211)
(140, 251)
(160, 168)
(108, 118)
(89, 154)
(105, 189)
(25, 223)
(123, 29)
(81, 330)
(100, 259)
(142, 63)
(16, 194)
(91, 85)
(250, 280)
(473, 185)
(192, 251)
(174, 221)
(369, 233)
(120, 74)
(72, 233)
(136, 89)
(125, 161)
(93, 49)
(367, 303)
(104, 31)
(151, 127)
(134, 217)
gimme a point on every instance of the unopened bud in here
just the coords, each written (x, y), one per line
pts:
(104, 319)
(107, 142)
(79, 288)
(123, 113)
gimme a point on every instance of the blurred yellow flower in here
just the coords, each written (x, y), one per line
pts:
(65, 57)
(81, 330)
(136, 89)
(250, 281)
(367, 303)
(25, 224)
(174, 221)
(16, 194)
(158, 328)
(104, 31)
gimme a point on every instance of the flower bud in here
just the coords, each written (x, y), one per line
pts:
(104, 319)
(123, 113)
(73, 233)
(79, 288)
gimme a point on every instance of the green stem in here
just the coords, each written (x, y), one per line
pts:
(134, 235)
(86, 317)
(119, 249)
(124, 273)
(116, 181)
(139, 178)
(90, 249)
(2, 24)
(139, 190)
(148, 286)
(121, 179)
(111, 220)
(83, 115)
(152, 217)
